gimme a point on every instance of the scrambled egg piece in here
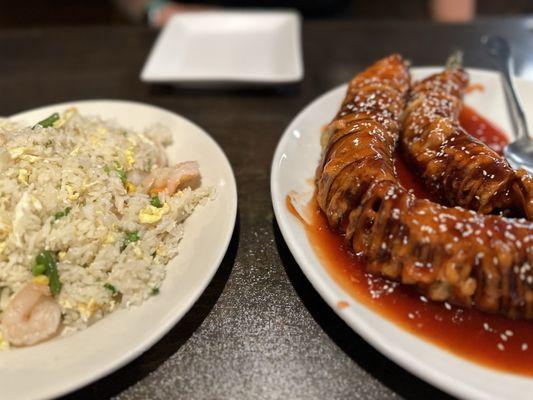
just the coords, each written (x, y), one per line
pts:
(22, 208)
(130, 158)
(23, 176)
(4, 230)
(30, 158)
(130, 187)
(151, 214)
(161, 250)
(16, 152)
(72, 194)
(95, 139)
(110, 238)
(2, 247)
(41, 280)
(61, 255)
(97, 136)
(87, 310)
(75, 151)
(19, 152)
(138, 252)
(3, 343)
(65, 304)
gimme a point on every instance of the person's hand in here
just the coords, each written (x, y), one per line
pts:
(453, 10)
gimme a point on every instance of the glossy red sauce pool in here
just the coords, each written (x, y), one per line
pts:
(491, 340)
(483, 129)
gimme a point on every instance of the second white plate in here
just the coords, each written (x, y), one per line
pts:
(294, 163)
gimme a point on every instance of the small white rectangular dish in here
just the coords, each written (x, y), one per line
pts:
(261, 47)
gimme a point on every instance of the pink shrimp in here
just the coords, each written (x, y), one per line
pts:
(170, 179)
(32, 316)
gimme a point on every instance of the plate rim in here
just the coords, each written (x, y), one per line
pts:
(402, 358)
(148, 343)
(297, 75)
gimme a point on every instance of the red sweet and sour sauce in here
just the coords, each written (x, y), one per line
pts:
(482, 129)
(491, 340)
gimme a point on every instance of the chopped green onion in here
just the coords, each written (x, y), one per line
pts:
(48, 122)
(46, 259)
(155, 291)
(53, 275)
(122, 176)
(130, 238)
(156, 202)
(38, 269)
(120, 172)
(49, 143)
(111, 288)
(61, 214)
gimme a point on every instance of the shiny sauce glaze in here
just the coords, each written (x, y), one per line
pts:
(491, 340)
(482, 129)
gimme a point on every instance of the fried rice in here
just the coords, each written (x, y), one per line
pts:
(65, 190)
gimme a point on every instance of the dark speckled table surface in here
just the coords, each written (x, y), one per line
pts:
(260, 330)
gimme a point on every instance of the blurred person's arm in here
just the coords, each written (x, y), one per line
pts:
(134, 9)
(155, 12)
(453, 10)
(158, 12)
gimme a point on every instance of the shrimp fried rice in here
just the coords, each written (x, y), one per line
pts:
(92, 212)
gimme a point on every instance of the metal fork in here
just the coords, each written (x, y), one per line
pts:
(519, 153)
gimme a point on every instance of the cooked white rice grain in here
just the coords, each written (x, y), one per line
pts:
(71, 168)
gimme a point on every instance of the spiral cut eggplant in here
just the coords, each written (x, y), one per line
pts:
(449, 254)
(456, 167)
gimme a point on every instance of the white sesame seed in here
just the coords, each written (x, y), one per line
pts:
(501, 347)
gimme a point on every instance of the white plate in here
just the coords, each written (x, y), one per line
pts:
(237, 46)
(67, 363)
(295, 161)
